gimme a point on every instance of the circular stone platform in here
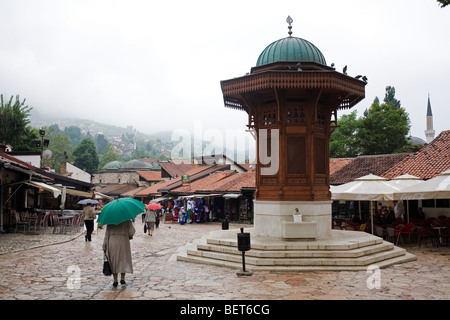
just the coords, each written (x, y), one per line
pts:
(345, 250)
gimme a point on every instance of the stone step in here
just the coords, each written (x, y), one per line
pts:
(318, 261)
(258, 253)
(407, 257)
(346, 250)
(342, 240)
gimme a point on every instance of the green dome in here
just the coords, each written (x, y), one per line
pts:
(113, 165)
(291, 49)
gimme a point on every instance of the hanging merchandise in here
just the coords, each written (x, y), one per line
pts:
(182, 218)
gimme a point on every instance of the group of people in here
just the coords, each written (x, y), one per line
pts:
(388, 215)
(192, 210)
(384, 216)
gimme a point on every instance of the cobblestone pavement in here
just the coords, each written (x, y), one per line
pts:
(65, 267)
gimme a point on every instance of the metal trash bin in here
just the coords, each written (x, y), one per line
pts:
(225, 224)
(243, 239)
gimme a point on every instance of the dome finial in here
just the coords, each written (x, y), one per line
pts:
(289, 20)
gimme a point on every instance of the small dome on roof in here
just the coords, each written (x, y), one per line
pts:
(113, 165)
(136, 164)
(416, 140)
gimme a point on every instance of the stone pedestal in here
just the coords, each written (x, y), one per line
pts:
(269, 216)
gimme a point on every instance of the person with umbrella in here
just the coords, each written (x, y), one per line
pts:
(117, 216)
(89, 217)
(151, 216)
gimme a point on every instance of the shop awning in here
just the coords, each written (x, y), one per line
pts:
(78, 193)
(44, 186)
(232, 195)
(160, 199)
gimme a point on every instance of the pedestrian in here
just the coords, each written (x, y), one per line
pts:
(157, 219)
(150, 219)
(89, 217)
(116, 245)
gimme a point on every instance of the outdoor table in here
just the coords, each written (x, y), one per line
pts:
(63, 221)
(438, 230)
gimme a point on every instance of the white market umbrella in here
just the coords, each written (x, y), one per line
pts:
(403, 182)
(435, 188)
(367, 188)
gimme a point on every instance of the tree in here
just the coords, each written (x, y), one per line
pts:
(385, 128)
(74, 134)
(86, 156)
(444, 3)
(101, 143)
(15, 126)
(60, 145)
(389, 97)
(108, 156)
(382, 130)
(343, 142)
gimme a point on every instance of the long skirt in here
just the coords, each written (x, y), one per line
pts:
(119, 254)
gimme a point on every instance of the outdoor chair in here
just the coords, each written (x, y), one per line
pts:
(38, 223)
(393, 235)
(408, 230)
(379, 231)
(20, 221)
(426, 234)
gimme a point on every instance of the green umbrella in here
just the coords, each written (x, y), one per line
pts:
(120, 210)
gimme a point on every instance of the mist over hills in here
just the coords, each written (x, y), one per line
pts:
(161, 141)
(93, 126)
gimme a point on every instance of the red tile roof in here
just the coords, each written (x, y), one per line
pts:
(150, 175)
(204, 183)
(116, 189)
(194, 174)
(363, 165)
(176, 169)
(6, 158)
(427, 162)
(236, 182)
(153, 190)
(338, 163)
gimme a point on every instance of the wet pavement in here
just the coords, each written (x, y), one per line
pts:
(65, 267)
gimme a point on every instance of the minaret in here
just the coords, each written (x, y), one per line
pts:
(429, 132)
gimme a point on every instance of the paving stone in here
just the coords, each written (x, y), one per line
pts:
(40, 269)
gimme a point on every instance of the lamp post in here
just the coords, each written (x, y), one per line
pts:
(41, 143)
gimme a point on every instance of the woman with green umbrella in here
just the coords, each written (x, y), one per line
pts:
(117, 216)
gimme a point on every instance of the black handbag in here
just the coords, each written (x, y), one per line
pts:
(145, 228)
(106, 266)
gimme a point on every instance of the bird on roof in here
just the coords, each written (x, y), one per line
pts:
(364, 79)
(358, 76)
(344, 71)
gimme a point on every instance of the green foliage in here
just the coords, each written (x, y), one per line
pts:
(86, 156)
(74, 134)
(343, 141)
(60, 145)
(108, 155)
(15, 128)
(382, 130)
(443, 3)
(101, 143)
